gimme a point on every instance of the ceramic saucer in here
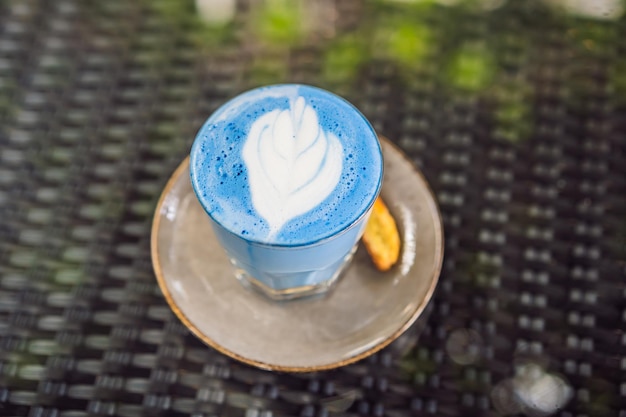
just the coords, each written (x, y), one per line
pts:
(365, 312)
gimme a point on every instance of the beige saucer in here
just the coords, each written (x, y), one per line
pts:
(365, 312)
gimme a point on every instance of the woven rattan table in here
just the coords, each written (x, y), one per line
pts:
(515, 111)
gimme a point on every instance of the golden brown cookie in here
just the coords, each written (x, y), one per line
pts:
(381, 237)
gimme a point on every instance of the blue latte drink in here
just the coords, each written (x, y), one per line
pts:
(288, 175)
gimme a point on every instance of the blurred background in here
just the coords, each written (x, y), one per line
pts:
(515, 111)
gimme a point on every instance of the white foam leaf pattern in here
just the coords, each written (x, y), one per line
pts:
(293, 164)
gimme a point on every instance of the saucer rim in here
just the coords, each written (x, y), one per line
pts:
(434, 278)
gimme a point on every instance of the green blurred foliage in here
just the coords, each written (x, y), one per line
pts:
(395, 33)
(437, 39)
(183, 16)
(513, 110)
(513, 121)
(178, 10)
(404, 41)
(343, 58)
(471, 68)
(279, 22)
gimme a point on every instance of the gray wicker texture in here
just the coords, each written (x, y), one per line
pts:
(514, 111)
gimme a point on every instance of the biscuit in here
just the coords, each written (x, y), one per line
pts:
(381, 237)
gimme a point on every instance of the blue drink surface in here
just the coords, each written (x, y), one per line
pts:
(286, 165)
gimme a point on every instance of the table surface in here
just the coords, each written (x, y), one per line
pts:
(514, 110)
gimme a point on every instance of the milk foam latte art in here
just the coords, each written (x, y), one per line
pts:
(288, 175)
(293, 165)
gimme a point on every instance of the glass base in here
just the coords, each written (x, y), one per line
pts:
(296, 292)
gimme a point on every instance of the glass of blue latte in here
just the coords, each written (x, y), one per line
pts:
(287, 175)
